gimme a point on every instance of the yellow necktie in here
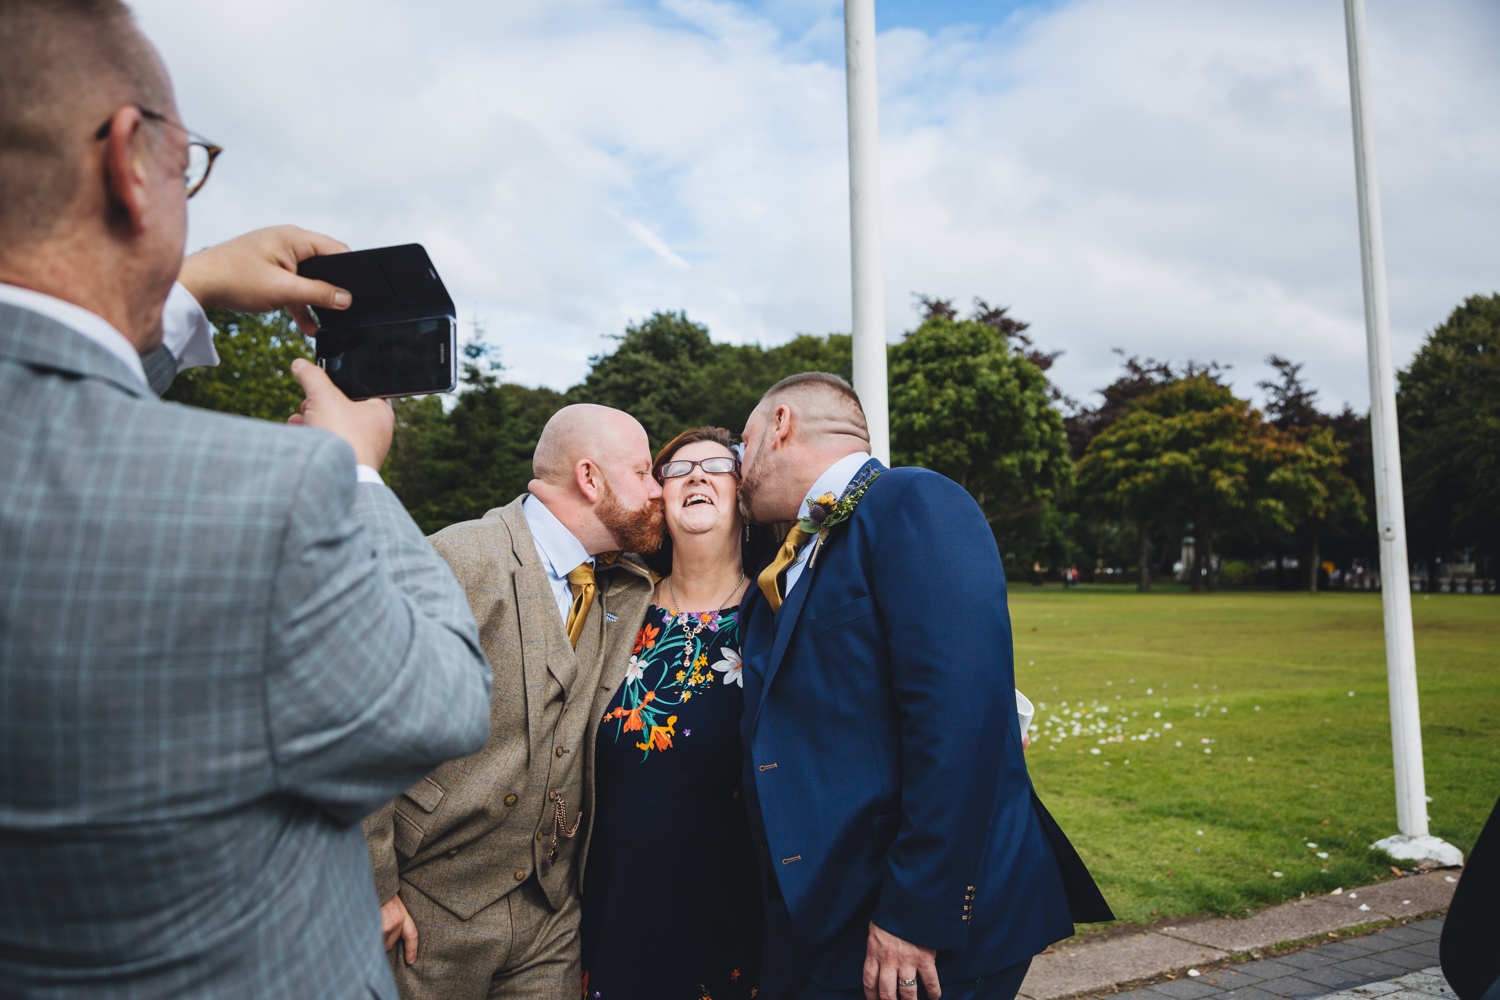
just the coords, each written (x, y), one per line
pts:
(581, 582)
(770, 577)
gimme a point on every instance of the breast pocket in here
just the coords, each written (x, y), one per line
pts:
(411, 824)
(843, 614)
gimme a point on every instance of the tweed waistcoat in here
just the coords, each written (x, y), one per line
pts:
(475, 829)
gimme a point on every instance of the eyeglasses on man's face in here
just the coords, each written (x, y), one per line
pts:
(681, 467)
(201, 152)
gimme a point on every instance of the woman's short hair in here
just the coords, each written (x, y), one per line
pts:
(753, 545)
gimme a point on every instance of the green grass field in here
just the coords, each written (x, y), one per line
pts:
(1278, 702)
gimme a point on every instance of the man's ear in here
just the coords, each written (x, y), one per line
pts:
(587, 477)
(127, 153)
(781, 426)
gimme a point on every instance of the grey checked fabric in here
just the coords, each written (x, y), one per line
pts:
(217, 652)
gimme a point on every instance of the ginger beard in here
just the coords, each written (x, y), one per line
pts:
(637, 530)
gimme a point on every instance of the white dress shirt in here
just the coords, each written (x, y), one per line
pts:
(835, 479)
(561, 553)
(186, 332)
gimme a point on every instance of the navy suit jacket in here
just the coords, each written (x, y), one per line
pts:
(883, 762)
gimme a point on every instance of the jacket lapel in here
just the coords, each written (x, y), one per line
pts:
(536, 614)
(614, 597)
(784, 622)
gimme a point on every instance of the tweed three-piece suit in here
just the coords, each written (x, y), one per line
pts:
(479, 849)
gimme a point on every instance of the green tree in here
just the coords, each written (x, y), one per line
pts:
(454, 466)
(657, 373)
(1112, 520)
(1449, 405)
(1325, 498)
(253, 377)
(671, 375)
(965, 404)
(1193, 451)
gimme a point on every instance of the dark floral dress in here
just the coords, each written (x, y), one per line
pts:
(671, 902)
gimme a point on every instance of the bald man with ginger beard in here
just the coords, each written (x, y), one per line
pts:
(480, 864)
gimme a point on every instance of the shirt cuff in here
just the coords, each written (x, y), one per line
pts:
(186, 331)
(367, 474)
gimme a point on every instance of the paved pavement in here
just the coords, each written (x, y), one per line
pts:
(1097, 966)
(1422, 985)
(1359, 968)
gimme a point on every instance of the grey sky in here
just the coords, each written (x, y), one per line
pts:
(1171, 178)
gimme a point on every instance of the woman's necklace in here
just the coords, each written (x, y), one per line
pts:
(690, 633)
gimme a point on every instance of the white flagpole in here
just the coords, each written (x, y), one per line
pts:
(864, 224)
(1413, 842)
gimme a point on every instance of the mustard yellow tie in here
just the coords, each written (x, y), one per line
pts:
(770, 577)
(581, 582)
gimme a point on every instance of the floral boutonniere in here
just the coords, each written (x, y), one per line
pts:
(826, 512)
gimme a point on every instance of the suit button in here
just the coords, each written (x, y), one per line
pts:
(541, 835)
(561, 751)
(511, 799)
(551, 796)
(520, 874)
(452, 851)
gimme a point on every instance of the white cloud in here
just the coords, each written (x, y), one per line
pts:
(1173, 178)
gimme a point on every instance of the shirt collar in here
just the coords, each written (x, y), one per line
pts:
(559, 549)
(835, 479)
(79, 320)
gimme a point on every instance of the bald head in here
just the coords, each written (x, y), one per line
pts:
(586, 432)
(65, 67)
(592, 470)
(825, 406)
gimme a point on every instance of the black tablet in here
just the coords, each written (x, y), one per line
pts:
(399, 337)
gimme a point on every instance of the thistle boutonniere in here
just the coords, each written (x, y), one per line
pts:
(827, 512)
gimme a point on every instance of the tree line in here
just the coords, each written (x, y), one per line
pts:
(1169, 451)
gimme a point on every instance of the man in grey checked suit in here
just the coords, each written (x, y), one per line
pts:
(218, 649)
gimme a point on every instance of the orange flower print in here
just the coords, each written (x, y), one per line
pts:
(645, 638)
(661, 736)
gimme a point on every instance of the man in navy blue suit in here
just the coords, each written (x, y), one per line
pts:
(900, 840)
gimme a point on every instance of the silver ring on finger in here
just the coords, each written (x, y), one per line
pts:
(908, 983)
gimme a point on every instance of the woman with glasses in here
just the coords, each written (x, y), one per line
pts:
(672, 899)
